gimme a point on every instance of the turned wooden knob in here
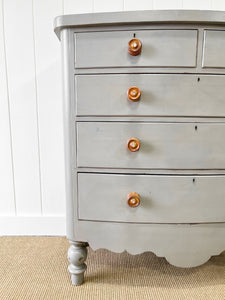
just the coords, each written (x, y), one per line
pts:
(133, 199)
(133, 144)
(133, 94)
(134, 47)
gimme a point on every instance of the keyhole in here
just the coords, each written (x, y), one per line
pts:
(134, 35)
(198, 79)
(193, 180)
(196, 127)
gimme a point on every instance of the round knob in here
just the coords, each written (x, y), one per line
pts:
(133, 93)
(133, 199)
(134, 47)
(133, 144)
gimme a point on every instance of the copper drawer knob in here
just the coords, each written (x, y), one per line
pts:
(134, 47)
(133, 144)
(133, 199)
(133, 93)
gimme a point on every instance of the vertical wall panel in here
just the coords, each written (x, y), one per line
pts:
(218, 4)
(7, 204)
(167, 4)
(138, 4)
(78, 7)
(197, 4)
(106, 6)
(49, 97)
(31, 152)
(22, 96)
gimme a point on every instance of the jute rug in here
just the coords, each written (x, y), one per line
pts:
(36, 268)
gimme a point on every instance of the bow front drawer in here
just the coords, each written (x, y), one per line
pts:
(151, 145)
(149, 48)
(150, 95)
(161, 199)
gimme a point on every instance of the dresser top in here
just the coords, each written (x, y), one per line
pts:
(139, 17)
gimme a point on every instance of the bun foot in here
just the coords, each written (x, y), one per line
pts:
(77, 255)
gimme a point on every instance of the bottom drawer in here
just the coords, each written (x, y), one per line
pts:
(163, 199)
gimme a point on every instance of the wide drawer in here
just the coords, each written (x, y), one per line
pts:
(162, 145)
(214, 49)
(163, 199)
(160, 48)
(161, 95)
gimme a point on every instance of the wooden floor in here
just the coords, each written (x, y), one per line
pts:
(36, 268)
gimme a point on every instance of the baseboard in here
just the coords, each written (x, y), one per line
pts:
(32, 225)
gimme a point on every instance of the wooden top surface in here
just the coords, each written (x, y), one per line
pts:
(139, 17)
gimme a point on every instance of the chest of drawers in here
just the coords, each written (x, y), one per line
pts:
(144, 129)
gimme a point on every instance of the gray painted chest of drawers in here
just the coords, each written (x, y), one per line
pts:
(144, 128)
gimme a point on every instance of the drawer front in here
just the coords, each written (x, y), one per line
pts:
(161, 95)
(160, 48)
(163, 199)
(214, 49)
(162, 145)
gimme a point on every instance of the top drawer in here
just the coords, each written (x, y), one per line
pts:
(160, 48)
(214, 49)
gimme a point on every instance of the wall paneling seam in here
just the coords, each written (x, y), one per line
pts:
(37, 115)
(9, 111)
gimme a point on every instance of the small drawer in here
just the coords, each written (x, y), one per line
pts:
(159, 48)
(214, 49)
(159, 95)
(151, 145)
(162, 199)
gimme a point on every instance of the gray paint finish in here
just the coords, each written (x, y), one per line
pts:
(163, 145)
(214, 49)
(183, 245)
(139, 17)
(166, 126)
(160, 48)
(164, 199)
(162, 95)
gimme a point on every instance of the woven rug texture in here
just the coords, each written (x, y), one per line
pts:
(36, 268)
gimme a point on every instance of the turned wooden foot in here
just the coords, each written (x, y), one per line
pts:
(77, 255)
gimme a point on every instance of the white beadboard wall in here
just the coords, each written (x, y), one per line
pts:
(32, 197)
